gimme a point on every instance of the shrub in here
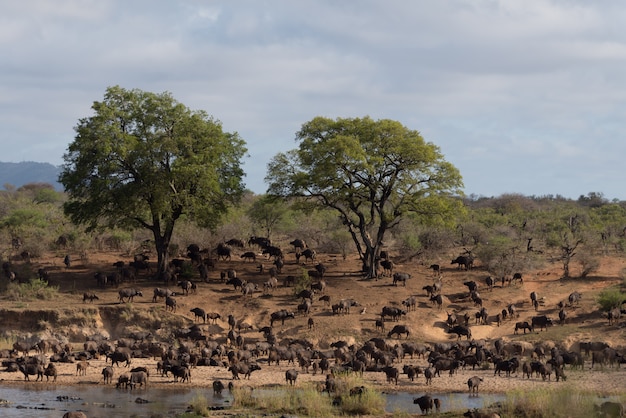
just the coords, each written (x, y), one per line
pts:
(303, 282)
(308, 401)
(32, 290)
(610, 298)
(199, 405)
(589, 265)
(562, 401)
(187, 271)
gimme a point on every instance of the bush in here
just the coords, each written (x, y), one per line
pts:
(309, 401)
(303, 282)
(187, 271)
(199, 405)
(610, 298)
(33, 290)
(589, 265)
(564, 401)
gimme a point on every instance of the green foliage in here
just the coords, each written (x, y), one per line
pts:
(370, 172)
(302, 282)
(144, 160)
(35, 289)
(45, 195)
(267, 212)
(187, 271)
(308, 401)
(26, 217)
(566, 400)
(610, 298)
(199, 406)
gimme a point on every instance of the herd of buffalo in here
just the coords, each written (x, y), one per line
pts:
(245, 347)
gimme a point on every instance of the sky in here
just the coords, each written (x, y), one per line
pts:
(522, 96)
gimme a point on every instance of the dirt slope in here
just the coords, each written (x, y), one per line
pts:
(68, 315)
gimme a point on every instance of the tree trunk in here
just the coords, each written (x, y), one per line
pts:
(162, 244)
(566, 268)
(161, 249)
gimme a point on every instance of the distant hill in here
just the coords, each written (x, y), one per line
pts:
(19, 174)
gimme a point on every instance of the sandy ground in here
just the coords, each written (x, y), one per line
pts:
(426, 323)
(607, 381)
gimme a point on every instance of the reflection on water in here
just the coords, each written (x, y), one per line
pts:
(42, 401)
(449, 401)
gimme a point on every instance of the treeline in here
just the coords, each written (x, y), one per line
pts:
(505, 234)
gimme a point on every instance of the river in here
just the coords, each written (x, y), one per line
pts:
(97, 401)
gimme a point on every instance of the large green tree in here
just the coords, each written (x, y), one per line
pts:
(370, 172)
(144, 160)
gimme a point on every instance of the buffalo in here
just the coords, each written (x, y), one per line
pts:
(50, 371)
(236, 282)
(425, 403)
(461, 330)
(119, 356)
(218, 387)
(473, 383)
(180, 372)
(465, 261)
(516, 277)
(540, 321)
(244, 369)
(199, 313)
(281, 316)
(399, 330)
(272, 251)
(392, 312)
(128, 294)
(436, 268)
(410, 303)
(223, 252)
(613, 315)
(523, 325)
(400, 277)
(387, 266)
(437, 299)
(574, 297)
(32, 370)
(298, 244)
(392, 374)
(249, 255)
(472, 286)
(508, 366)
(138, 378)
(170, 303)
(445, 364)
(107, 374)
(309, 255)
(290, 376)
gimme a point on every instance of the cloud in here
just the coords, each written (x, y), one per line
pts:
(506, 85)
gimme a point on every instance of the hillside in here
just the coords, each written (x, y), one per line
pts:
(19, 174)
(67, 315)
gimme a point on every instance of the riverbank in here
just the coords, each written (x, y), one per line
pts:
(604, 382)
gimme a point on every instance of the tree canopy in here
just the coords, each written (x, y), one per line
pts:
(370, 172)
(144, 160)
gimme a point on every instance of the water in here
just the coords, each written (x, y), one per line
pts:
(100, 401)
(449, 401)
(42, 401)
